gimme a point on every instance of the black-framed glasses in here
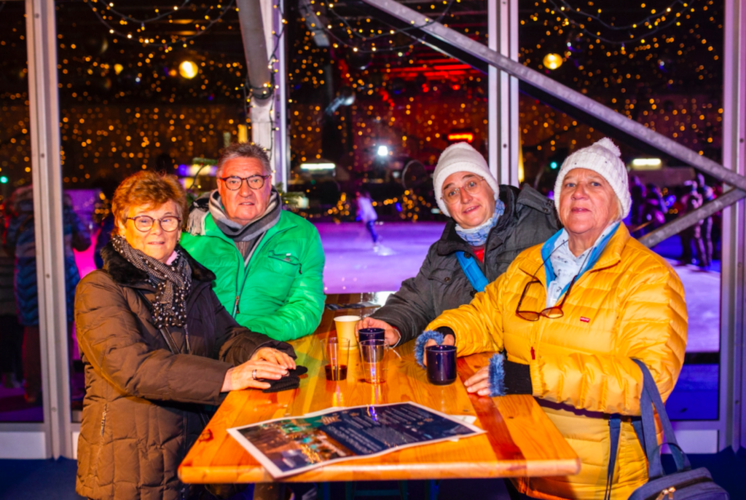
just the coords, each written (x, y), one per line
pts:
(452, 194)
(234, 182)
(144, 223)
(555, 311)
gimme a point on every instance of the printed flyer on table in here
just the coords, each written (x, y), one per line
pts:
(288, 446)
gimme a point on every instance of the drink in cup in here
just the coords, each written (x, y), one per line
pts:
(336, 358)
(371, 334)
(372, 354)
(441, 364)
(346, 330)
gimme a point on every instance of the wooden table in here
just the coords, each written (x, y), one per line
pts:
(520, 439)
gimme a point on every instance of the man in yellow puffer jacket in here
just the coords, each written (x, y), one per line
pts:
(567, 334)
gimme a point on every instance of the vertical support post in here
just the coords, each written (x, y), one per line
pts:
(504, 132)
(46, 173)
(281, 151)
(733, 275)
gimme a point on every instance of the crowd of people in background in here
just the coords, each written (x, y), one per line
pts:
(651, 209)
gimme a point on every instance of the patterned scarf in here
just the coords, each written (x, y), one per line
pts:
(172, 282)
(477, 236)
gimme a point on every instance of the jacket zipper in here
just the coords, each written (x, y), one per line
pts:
(103, 420)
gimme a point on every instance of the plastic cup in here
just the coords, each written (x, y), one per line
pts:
(346, 329)
(441, 364)
(371, 334)
(336, 358)
(372, 354)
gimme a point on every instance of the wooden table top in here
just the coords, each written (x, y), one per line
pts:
(520, 439)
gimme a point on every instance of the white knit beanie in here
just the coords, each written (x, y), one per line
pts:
(460, 157)
(604, 158)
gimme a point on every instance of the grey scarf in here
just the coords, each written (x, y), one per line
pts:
(253, 229)
(172, 283)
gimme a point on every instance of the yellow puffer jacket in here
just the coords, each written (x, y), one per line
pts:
(630, 304)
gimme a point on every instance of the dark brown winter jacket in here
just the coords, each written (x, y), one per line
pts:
(141, 412)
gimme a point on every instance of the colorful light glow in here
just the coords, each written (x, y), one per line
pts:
(188, 69)
(461, 136)
(552, 61)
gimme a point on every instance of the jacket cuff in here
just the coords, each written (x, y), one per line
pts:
(517, 378)
(446, 330)
(507, 377)
(419, 346)
(497, 375)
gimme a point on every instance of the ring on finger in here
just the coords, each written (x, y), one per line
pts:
(253, 374)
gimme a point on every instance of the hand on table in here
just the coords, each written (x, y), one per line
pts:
(447, 340)
(392, 334)
(274, 356)
(479, 382)
(266, 363)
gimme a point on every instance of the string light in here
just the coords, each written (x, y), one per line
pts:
(409, 102)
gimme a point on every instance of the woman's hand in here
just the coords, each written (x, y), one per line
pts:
(479, 382)
(247, 374)
(274, 356)
(392, 334)
(447, 340)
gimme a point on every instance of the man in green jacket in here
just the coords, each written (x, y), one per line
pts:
(269, 263)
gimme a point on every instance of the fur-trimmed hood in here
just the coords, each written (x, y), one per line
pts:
(125, 273)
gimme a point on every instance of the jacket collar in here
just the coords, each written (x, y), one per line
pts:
(450, 242)
(126, 274)
(611, 255)
(212, 229)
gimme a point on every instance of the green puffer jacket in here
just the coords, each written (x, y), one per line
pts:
(281, 291)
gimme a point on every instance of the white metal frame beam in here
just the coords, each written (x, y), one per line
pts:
(264, 46)
(46, 173)
(733, 272)
(502, 102)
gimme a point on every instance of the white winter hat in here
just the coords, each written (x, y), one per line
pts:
(460, 157)
(604, 158)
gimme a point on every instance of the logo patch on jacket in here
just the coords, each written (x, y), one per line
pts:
(583, 319)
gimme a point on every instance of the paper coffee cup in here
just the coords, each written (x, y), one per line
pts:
(346, 329)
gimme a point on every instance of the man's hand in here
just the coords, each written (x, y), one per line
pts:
(274, 356)
(447, 340)
(479, 382)
(392, 334)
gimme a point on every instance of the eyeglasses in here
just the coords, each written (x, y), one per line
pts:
(254, 182)
(453, 194)
(555, 311)
(145, 223)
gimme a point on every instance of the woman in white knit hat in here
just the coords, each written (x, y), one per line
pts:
(567, 319)
(488, 226)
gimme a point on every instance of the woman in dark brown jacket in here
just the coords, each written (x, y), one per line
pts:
(157, 346)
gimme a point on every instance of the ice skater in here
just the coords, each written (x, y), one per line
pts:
(367, 214)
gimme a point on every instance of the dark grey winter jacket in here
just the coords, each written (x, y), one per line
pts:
(441, 284)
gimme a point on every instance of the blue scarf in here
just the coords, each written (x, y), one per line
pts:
(477, 236)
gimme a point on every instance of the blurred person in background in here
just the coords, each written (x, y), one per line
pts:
(11, 331)
(707, 194)
(692, 235)
(488, 226)
(20, 242)
(269, 262)
(367, 214)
